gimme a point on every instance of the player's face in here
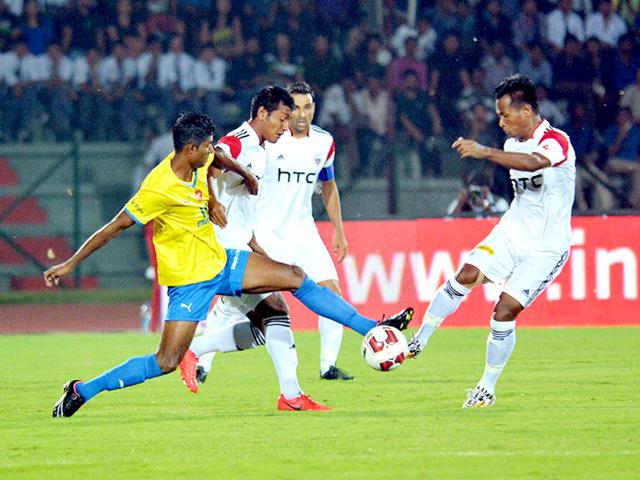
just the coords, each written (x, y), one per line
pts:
(276, 123)
(200, 153)
(302, 114)
(513, 120)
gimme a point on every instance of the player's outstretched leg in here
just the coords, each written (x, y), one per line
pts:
(175, 341)
(446, 301)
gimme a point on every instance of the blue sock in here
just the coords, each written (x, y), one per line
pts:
(326, 303)
(133, 371)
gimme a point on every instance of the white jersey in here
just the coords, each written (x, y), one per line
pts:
(539, 218)
(242, 144)
(286, 190)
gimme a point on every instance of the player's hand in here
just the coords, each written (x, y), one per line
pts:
(217, 213)
(53, 275)
(339, 243)
(251, 183)
(470, 148)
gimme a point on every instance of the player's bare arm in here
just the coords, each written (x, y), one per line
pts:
(216, 209)
(99, 239)
(519, 161)
(331, 200)
(223, 161)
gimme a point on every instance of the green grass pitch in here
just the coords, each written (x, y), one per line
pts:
(568, 407)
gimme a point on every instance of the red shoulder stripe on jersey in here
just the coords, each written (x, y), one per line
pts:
(234, 144)
(331, 150)
(561, 139)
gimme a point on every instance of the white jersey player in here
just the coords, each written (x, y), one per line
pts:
(228, 329)
(286, 228)
(530, 244)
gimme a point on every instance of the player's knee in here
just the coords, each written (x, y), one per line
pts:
(274, 304)
(167, 362)
(469, 276)
(297, 274)
(505, 311)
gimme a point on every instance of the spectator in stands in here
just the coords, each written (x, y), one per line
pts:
(93, 110)
(224, 31)
(606, 25)
(528, 27)
(467, 28)
(35, 28)
(163, 21)
(122, 24)
(29, 90)
(562, 21)
(299, 23)
(248, 73)
(321, 67)
(493, 25)
(282, 65)
(337, 114)
(626, 63)
(155, 99)
(549, 109)
(209, 76)
(474, 93)
(572, 75)
(534, 65)
(58, 95)
(9, 90)
(175, 74)
(418, 121)
(407, 63)
(369, 59)
(82, 28)
(622, 143)
(480, 126)
(582, 132)
(442, 16)
(496, 64)
(9, 28)
(372, 106)
(628, 10)
(631, 98)
(449, 76)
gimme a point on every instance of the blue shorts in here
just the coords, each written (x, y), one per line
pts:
(191, 302)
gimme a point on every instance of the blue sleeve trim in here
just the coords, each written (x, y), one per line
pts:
(133, 217)
(327, 173)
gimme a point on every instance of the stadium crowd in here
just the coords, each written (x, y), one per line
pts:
(123, 69)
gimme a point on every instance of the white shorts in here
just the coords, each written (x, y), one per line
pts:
(230, 310)
(526, 274)
(308, 253)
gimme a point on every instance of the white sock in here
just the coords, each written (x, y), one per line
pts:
(500, 344)
(231, 338)
(330, 341)
(446, 301)
(282, 349)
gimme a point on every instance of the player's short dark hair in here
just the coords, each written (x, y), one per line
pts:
(270, 98)
(302, 88)
(521, 90)
(191, 128)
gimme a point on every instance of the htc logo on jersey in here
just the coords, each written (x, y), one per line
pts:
(284, 176)
(527, 183)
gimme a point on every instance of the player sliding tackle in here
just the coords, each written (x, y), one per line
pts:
(190, 259)
(530, 245)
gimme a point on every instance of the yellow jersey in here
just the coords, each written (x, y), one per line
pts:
(186, 245)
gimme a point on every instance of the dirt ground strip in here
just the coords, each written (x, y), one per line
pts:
(69, 318)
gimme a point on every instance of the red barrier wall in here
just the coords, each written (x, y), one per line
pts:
(392, 264)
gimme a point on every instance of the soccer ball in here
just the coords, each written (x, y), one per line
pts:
(384, 348)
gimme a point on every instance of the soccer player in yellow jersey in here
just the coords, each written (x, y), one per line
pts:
(175, 195)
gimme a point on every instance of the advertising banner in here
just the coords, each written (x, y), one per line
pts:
(393, 264)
